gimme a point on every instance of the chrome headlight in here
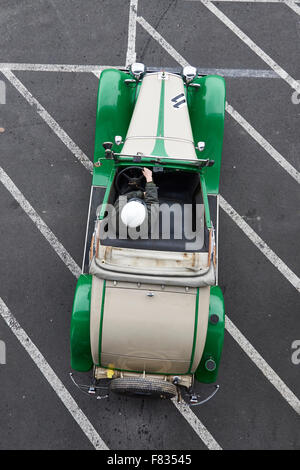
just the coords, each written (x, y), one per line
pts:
(137, 69)
(189, 73)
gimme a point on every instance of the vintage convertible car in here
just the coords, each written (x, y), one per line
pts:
(148, 314)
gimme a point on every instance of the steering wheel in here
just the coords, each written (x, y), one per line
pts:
(134, 177)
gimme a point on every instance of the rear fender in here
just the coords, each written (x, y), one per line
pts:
(81, 357)
(215, 337)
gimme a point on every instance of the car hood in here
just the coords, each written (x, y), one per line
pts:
(160, 124)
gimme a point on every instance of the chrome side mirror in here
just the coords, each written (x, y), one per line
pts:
(118, 139)
(107, 145)
(200, 146)
(108, 149)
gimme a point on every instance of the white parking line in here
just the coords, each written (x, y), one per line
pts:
(97, 74)
(40, 224)
(246, 1)
(172, 50)
(264, 143)
(173, 53)
(233, 113)
(293, 6)
(260, 244)
(97, 69)
(264, 367)
(184, 410)
(52, 378)
(35, 354)
(252, 235)
(198, 427)
(269, 373)
(76, 271)
(71, 145)
(131, 54)
(251, 44)
(54, 67)
(264, 249)
(79, 154)
(238, 73)
(277, 69)
(63, 254)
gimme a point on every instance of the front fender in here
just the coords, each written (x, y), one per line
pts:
(207, 110)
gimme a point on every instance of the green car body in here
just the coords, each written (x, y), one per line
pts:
(117, 97)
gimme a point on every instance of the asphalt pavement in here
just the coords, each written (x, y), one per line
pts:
(248, 412)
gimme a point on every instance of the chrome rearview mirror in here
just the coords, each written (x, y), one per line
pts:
(118, 139)
(200, 146)
(137, 69)
(189, 73)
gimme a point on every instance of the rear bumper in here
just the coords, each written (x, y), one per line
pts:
(102, 373)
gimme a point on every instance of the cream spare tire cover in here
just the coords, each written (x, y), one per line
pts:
(148, 328)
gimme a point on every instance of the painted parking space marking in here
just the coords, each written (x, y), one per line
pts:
(186, 412)
(292, 5)
(247, 1)
(268, 372)
(131, 54)
(53, 380)
(238, 73)
(97, 69)
(275, 260)
(252, 45)
(68, 261)
(40, 224)
(63, 136)
(188, 415)
(80, 156)
(233, 113)
(264, 367)
(155, 35)
(263, 248)
(263, 143)
(197, 426)
(23, 67)
(261, 245)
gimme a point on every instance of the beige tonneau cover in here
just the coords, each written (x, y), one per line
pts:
(150, 266)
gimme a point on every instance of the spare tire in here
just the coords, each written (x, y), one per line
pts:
(141, 386)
